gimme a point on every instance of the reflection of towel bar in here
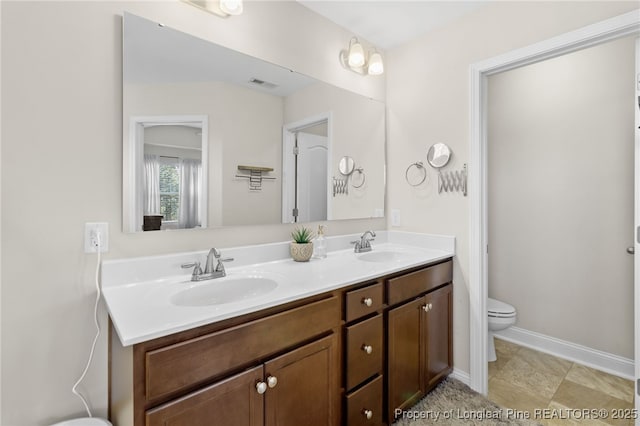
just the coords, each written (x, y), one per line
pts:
(340, 186)
(360, 171)
(255, 176)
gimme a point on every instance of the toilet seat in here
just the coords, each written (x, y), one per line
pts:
(498, 309)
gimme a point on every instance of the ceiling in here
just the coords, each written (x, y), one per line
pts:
(388, 24)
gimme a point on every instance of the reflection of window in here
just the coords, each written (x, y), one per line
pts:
(169, 188)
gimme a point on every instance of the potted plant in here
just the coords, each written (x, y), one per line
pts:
(301, 247)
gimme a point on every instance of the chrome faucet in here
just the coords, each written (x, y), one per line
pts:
(364, 244)
(210, 272)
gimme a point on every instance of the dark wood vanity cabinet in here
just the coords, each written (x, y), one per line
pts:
(420, 347)
(296, 388)
(364, 349)
(278, 369)
(230, 402)
(375, 346)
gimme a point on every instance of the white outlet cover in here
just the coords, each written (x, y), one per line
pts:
(395, 217)
(90, 230)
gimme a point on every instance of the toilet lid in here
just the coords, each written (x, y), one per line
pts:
(87, 421)
(497, 307)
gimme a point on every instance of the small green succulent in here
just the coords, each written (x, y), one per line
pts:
(302, 235)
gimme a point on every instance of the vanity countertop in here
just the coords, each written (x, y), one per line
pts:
(140, 293)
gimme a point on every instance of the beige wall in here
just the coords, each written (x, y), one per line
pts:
(561, 195)
(245, 127)
(428, 102)
(62, 167)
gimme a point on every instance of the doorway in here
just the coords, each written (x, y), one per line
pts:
(624, 25)
(306, 151)
(560, 202)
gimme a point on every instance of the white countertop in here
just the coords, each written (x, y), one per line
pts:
(138, 291)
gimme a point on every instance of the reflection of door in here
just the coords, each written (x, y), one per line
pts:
(312, 177)
(306, 149)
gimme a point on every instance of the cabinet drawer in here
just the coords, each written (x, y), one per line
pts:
(183, 365)
(364, 401)
(363, 301)
(364, 350)
(410, 285)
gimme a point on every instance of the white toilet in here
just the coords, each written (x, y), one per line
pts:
(500, 316)
(85, 421)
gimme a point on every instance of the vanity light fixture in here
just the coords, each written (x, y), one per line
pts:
(355, 59)
(222, 8)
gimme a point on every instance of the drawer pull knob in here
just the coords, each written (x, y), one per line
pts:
(368, 349)
(272, 381)
(261, 387)
(367, 301)
(426, 308)
(367, 413)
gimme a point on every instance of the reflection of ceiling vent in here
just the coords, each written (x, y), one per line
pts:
(262, 83)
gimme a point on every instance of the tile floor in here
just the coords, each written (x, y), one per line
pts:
(525, 380)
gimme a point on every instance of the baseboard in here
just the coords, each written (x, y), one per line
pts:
(603, 361)
(461, 375)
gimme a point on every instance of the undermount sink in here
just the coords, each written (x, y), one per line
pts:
(224, 290)
(382, 256)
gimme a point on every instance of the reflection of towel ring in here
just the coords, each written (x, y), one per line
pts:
(361, 173)
(418, 165)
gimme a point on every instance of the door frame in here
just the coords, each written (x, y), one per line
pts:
(288, 174)
(134, 156)
(610, 29)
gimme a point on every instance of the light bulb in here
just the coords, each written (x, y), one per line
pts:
(356, 55)
(232, 7)
(376, 67)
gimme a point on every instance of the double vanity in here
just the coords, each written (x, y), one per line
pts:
(348, 339)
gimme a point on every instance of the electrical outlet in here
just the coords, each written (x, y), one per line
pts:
(395, 217)
(94, 233)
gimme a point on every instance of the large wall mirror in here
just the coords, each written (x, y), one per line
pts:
(213, 137)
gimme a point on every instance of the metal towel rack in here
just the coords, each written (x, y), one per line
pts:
(419, 166)
(340, 186)
(255, 176)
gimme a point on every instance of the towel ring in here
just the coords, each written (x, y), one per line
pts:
(420, 166)
(361, 173)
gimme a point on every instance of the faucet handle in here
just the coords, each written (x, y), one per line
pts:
(220, 266)
(197, 270)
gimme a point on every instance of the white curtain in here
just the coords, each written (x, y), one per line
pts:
(151, 205)
(190, 178)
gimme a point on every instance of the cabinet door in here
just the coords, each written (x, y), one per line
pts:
(439, 336)
(231, 402)
(306, 386)
(406, 350)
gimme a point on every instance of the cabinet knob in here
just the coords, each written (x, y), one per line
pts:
(367, 348)
(261, 387)
(367, 413)
(367, 301)
(425, 307)
(272, 381)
